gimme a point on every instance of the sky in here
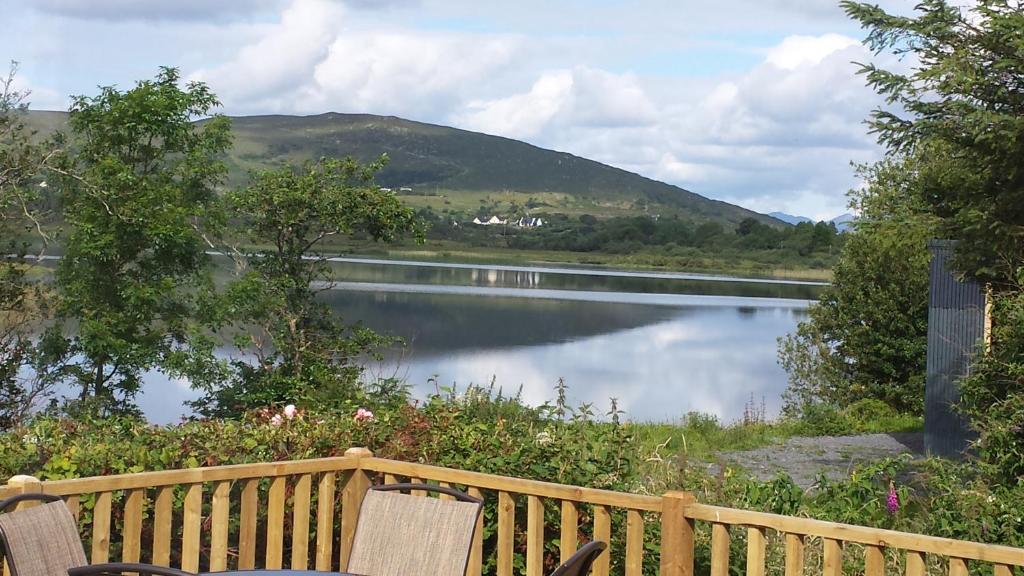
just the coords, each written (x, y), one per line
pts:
(754, 102)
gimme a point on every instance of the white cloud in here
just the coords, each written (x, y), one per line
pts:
(406, 73)
(520, 115)
(581, 97)
(37, 97)
(313, 61)
(797, 51)
(269, 71)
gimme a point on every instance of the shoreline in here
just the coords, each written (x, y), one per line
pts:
(653, 264)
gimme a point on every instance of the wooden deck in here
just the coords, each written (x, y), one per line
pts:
(302, 514)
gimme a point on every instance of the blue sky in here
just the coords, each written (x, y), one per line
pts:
(755, 102)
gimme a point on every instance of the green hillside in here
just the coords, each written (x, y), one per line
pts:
(459, 169)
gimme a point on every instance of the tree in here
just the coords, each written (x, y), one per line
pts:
(747, 226)
(136, 196)
(25, 303)
(867, 335)
(963, 99)
(300, 349)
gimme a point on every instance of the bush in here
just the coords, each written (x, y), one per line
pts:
(473, 431)
(823, 420)
(993, 394)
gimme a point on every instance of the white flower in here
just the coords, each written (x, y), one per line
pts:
(43, 184)
(290, 411)
(543, 438)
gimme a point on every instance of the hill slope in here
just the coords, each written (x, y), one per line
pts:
(436, 158)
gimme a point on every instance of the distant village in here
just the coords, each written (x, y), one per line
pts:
(524, 222)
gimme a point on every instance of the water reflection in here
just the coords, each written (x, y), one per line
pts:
(658, 362)
(663, 347)
(385, 272)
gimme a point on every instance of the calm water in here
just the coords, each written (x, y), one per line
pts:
(663, 344)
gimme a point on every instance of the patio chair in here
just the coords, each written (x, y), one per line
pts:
(579, 564)
(44, 541)
(413, 536)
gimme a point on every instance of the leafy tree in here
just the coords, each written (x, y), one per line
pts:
(866, 337)
(136, 197)
(747, 226)
(24, 302)
(963, 99)
(708, 233)
(300, 350)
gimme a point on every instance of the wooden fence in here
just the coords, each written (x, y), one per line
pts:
(302, 514)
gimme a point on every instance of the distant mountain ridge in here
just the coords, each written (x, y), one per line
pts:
(433, 157)
(843, 222)
(789, 218)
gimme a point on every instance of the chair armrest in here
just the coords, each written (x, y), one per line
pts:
(123, 567)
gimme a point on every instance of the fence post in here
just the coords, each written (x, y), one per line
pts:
(22, 484)
(676, 535)
(357, 482)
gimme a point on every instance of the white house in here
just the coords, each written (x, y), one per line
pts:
(493, 220)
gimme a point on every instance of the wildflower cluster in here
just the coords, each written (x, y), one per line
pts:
(290, 412)
(363, 415)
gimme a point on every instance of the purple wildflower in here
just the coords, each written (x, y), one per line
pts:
(892, 503)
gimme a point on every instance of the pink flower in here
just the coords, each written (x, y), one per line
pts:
(276, 420)
(290, 411)
(363, 414)
(892, 503)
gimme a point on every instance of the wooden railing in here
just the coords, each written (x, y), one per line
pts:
(302, 514)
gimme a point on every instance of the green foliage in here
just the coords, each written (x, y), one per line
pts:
(302, 350)
(964, 101)
(136, 196)
(866, 337)
(993, 393)
(472, 431)
(24, 302)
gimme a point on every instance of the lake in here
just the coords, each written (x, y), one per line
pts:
(662, 344)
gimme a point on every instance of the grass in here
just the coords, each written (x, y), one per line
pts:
(699, 436)
(695, 438)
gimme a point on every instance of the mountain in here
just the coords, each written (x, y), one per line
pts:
(844, 222)
(449, 168)
(789, 218)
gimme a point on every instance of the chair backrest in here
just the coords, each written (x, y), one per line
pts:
(42, 540)
(411, 535)
(579, 564)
